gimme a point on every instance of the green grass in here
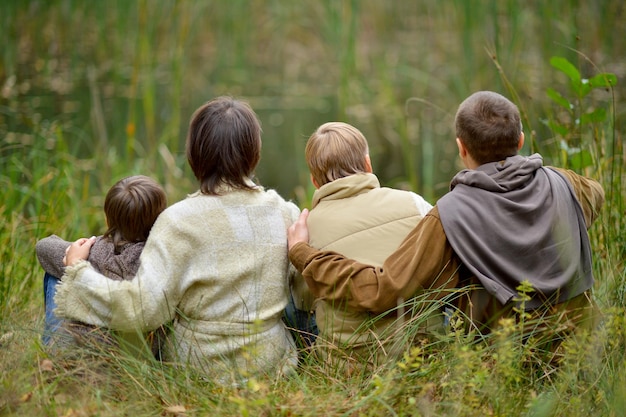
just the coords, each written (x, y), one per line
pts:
(93, 92)
(451, 377)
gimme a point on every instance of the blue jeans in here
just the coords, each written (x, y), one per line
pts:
(52, 322)
(301, 323)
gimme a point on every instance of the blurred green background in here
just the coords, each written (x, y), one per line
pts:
(114, 83)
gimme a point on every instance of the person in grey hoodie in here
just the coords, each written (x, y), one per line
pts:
(507, 220)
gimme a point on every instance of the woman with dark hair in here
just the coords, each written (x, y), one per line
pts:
(215, 264)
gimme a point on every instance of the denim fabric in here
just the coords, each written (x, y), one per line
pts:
(52, 322)
(301, 323)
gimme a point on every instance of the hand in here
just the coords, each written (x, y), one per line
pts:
(298, 231)
(78, 250)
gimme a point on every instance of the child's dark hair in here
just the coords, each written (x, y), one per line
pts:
(224, 144)
(131, 207)
(489, 126)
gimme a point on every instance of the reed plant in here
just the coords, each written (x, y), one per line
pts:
(91, 92)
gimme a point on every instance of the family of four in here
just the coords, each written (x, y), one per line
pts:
(226, 279)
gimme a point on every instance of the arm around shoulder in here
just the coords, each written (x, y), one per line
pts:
(88, 296)
(424, 261)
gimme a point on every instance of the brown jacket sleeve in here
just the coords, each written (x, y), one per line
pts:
(589, 192)
(423, 261)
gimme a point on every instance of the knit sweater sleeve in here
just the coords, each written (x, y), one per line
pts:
(143, 303)
(50, 252)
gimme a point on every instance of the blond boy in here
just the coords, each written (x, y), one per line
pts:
(353, 215)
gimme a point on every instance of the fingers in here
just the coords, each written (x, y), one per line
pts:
(298, 232)
(83, 240)
(303, 216)
(79, 250)
(89, 242)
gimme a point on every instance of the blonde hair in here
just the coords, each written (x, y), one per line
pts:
(336, 150)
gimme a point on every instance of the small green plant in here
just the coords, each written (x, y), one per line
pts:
(574, 120)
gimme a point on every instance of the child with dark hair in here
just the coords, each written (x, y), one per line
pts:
(131, 207)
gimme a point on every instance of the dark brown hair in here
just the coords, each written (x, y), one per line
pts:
(489, 126)
(224, 144)
(131, 207)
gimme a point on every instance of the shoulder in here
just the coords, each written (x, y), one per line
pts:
(181, 209)
(433, 213)
(287, 207)
(577, 181)
(101, 252)
(404, 196)
(584, 187)
(175, 220)
(588, 192)
(272, 195)
(133, 248)
(453, 206)
(422, 205)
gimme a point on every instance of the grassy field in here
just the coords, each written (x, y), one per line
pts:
(93, 91)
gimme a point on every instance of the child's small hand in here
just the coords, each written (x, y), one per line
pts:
(78, 250)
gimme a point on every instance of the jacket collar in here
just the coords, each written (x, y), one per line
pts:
(345, 187)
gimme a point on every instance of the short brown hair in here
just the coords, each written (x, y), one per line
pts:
(335, 150)
(489, 126)
(224, 144)
(131, 207)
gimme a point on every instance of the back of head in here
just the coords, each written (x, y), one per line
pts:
(336, 150)
(489, 126)
(131, 207)
(223, 144)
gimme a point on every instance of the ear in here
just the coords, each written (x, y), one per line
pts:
(368, 164)
(521, 141)
(315, 184)
(462, 148)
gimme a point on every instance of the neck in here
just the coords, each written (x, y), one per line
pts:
(469, 162)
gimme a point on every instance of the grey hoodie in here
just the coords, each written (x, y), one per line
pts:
(515, 220)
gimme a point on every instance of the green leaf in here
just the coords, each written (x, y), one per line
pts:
(583, 88)
(566, 67)
(580, 159)
(598, 115)
(559, 99)
(565, 147)
(603, 80)
(557, 128)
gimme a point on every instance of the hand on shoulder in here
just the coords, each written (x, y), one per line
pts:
(79, 250)
(298, 232)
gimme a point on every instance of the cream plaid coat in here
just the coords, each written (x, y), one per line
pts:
(216, 267)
